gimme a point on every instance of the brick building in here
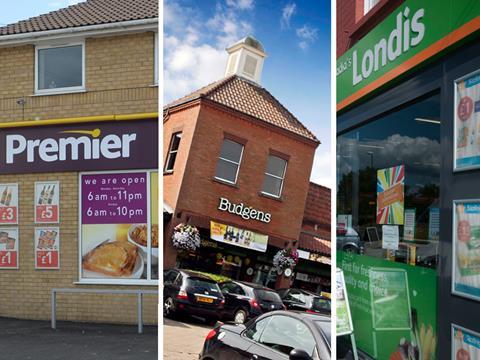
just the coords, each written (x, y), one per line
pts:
(78, 106)
(232, 145)
(408, 78)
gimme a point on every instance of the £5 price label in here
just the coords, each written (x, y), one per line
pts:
(46, 213)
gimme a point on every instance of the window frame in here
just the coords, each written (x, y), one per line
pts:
(167, 160)
(230, 161)
(369, 5)
(265, 173)
(69, 89)
(156, 55)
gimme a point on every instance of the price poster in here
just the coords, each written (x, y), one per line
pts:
(47, 199)
(8, 204)
(466, 247)
(47, 248)
(467, 122)
(8, 248)
(344, 318)
(465, 344)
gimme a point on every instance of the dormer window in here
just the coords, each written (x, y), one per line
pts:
(59, 69)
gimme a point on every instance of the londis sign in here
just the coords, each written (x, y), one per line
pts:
(79, 147)
(409, 36)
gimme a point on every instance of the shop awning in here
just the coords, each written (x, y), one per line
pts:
(315, 244)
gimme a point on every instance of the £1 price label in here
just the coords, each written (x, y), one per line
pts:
(47, 259)
(8, 215)
(46, 213)
(8, 259)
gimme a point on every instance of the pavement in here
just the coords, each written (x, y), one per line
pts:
(35, 340)
(183, 340)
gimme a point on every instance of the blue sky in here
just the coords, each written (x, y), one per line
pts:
(13, 11)
(295, 35)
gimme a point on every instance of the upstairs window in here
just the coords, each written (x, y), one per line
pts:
(60, 68)
(368, 5)
(274, 176)
(172, 152)
(229, 161)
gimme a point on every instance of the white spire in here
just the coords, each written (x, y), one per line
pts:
(245, 58)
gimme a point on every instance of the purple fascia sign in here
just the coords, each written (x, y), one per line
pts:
(114, 198)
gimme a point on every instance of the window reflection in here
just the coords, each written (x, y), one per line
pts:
(409, 136)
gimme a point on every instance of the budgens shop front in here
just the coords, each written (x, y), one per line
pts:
(408, 162)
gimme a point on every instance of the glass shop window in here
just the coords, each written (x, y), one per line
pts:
(388, 185)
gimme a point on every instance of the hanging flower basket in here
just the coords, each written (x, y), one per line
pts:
(185, 238)
(285, 259)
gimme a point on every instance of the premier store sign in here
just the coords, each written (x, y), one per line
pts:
(89, 146)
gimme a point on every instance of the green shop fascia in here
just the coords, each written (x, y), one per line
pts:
(408, 164)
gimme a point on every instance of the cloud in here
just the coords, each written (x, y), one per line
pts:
(307, 35)
(287, 12)
(321, 170)
(194, 49)
(241, 4)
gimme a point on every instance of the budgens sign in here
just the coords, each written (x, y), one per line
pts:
(409, 36)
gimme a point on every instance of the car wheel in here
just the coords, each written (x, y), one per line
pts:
(350, 249)
(240, 316)
(169, 307)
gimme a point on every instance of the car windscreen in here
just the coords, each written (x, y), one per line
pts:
(202, 285)
(324, 327)
(267, 296)
(320, 304)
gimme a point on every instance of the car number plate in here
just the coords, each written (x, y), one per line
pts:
(204, 299)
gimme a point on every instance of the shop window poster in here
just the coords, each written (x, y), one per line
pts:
(47, 199)
(47, 248)
(238, 237)
(116, 227)
(465, 344)
(466, 249)
(8, 204)
(467, 122)
(8, 248)
(390, 195)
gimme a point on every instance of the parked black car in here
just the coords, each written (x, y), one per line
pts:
(189, 293)
(275, 335)
(244, 300)
(302, 300)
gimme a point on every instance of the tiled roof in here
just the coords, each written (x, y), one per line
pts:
(249, 98)
(315, 244)
(318, 205)
(90, 12)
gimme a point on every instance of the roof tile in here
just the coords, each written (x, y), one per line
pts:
(89, 12)
(249, 98)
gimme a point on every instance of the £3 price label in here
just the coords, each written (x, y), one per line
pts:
(47, 259)
(46, 213)
(8, 259)
(8, 215)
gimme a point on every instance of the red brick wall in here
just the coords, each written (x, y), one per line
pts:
(353, 25)
(317, 216)
(184, 121)
(199, 193)
(345, 22)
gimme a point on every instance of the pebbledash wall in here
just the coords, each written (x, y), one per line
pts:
(119, 79)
